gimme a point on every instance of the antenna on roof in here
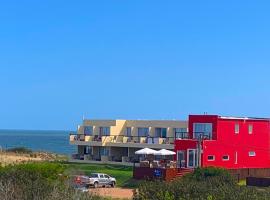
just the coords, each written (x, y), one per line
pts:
(205, 113)
(83, 117)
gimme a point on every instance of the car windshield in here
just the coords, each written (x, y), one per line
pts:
(93, 176)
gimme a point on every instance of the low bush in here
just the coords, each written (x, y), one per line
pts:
(202, 184)
(38, 181)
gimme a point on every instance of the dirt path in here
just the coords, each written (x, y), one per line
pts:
(113, 192)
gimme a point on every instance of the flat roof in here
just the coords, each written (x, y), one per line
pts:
(243, 118)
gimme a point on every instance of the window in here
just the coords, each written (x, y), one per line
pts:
(236, 128)
(143, 132)
(128, 131)
(101, 176)
(106, 176)
(104, 131)
(93, 176)
(181, 133)
(211, 158)
(161, 132)
(250, 129)
(104, 151)
(88, 130)
(225, 157)
(202, 130)
(236, 158)
(88, 150)
(251, 154)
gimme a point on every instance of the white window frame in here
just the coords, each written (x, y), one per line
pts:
(250, 129)
(226, 159)
(251, 153)
(214, 158)
(236, 128)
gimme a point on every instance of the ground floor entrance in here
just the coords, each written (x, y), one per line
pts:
(187, 158)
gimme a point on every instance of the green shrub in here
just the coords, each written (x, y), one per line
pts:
(202, 184)
(38, 181)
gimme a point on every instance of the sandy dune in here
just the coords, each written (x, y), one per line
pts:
(113, 192)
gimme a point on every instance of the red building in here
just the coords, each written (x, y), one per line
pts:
(227, 142)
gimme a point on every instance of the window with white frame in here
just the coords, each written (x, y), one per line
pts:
(225, 157)
(211, 158)
(143, 132)
(203, 130)
(251, 153)
(236, 128)
(250, 129)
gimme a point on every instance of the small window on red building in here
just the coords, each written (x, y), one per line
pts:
(250, 129)
(211, 158)
(225, 157)
(251, 153)
(236, 128)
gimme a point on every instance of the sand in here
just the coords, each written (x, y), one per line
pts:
(13, 158)
(113, 192)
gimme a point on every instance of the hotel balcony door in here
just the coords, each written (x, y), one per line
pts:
(181, 159)
(192, 160)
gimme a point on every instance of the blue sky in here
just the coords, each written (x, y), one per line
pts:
(60, 60)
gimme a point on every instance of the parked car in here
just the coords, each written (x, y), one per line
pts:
(98, 179)
(81, 181)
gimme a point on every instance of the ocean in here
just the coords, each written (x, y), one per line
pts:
(50, 141)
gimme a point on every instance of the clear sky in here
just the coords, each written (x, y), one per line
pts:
(60, 60)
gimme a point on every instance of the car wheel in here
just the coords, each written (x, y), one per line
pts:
(113, 184)
(95, 184)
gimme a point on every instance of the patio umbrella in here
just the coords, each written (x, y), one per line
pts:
(146, 151)
(164, 152)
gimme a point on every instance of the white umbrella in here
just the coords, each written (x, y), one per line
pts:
(146, 151)
(164, 152)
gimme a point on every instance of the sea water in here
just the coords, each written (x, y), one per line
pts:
(50, 141)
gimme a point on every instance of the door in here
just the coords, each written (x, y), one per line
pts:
(102, 179)
(192, 160)
(181, 159)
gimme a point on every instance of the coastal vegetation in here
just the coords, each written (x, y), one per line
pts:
(38, 181)
(202, 184)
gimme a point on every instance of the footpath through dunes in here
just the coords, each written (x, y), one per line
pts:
(119, 193)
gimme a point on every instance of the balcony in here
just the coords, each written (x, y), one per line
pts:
(122, 141)
(98, 159)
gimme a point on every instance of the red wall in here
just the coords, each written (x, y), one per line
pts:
(226, 142)
(229, 143)
(202, 119)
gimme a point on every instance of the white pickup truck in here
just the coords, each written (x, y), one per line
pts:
(98, 179)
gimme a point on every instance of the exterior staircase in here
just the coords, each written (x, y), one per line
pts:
(183, 171)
